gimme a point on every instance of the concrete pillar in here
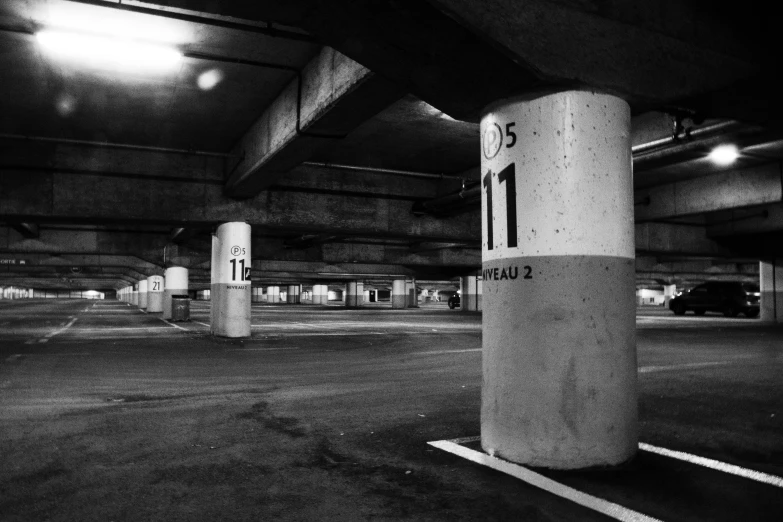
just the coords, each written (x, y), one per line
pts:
(213, 278)
(175, 283)
(399, 299)
(366, 297)
(320, 294)
(559, 356)
(273, 294)
(135, 295)
(354, 292)
(669, 291)
(255, 294)
(470, 293)
(155, 294)
(293, 294)
(771, 287)
(231, 290)
(143, 294)
(413, 294)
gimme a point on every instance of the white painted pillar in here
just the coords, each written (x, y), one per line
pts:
(771, 287)
(399, 298)
(135, 295)
(143, 294)
(155, 294)
(471, 293)
(669, 291)
(231, 291)
(413, 294)
(273, 294)
(366, 297)
(559, 357)
(175, 283)
(320, 294)
(354, 293)
(293, 294)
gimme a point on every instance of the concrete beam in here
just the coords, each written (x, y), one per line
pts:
(327, 100)
(730, 190)
(312, 201)
(664, 238)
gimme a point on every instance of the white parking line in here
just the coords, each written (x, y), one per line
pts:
(600, 505)
(766, 478)
(686, 366)
(438, 352)
(57, 332)
(174, 325)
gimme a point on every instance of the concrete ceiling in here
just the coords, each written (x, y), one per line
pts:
(314, 95)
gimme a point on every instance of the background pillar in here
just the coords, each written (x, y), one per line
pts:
(231, 292)
(320, 294)
(175, 282)
(213, 279)
(273, 294)
(413, 295)
(155, 294)
(293, 294)
(559, 357)
(399, 298)
(354, 294)
(470, 293)
(143, 294)
(771, 287)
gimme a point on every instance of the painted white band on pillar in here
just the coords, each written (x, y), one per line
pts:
(231, 288)
(273, 294)
(354, 294)
(559, 357)
(175, 283)
(399, 299)
(155, 294)
(143, 294)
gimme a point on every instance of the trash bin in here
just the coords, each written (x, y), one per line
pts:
(180, 308)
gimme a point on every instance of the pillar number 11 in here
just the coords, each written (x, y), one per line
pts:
(507, 176)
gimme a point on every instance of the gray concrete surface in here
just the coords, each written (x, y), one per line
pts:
(325, 413)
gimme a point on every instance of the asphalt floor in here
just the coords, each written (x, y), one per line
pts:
(108, 413)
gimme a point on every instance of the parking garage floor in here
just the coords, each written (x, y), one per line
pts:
(108, 413)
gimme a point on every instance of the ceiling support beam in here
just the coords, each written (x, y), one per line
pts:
(731, 190)
(328, 99)
(27, 230)
(671, 239)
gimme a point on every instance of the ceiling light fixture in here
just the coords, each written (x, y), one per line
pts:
(724, 155)
(109, 52)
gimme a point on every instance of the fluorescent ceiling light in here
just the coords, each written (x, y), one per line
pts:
(109, 52)
(724, 155)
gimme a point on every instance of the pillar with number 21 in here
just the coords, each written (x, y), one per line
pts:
(559, 346)
(231, 298)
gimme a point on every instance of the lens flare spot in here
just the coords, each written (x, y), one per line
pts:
(209, 79)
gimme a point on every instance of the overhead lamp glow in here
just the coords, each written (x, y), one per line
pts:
(109, 52)
(724, 155)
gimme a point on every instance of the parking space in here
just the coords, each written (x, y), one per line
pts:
(326, 413)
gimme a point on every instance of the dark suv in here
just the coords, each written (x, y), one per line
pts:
(454, 301)
(730, 298)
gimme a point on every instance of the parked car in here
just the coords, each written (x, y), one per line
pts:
(729, 298)
(454, 301)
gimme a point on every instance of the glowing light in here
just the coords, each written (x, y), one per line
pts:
(65, 105)
(109, 52)
(724, 155)
(209, 79)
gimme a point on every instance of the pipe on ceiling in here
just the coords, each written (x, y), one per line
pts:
(376, 170)
(110, 145)
(644, 151)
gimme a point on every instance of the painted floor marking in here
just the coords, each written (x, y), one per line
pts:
(57, 332)
(600, 505)
(766, 478)
(172, 324)
(202, 324)
(263, 349)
